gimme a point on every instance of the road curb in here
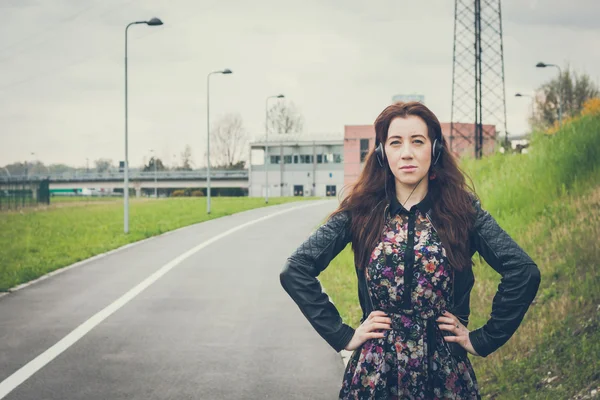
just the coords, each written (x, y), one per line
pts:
(110, 252)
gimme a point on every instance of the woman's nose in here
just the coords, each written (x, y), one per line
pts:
(406, 152)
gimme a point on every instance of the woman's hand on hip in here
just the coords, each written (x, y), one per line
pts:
(450, 323)
(370, 329)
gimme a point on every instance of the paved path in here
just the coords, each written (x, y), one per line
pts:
(195, 314)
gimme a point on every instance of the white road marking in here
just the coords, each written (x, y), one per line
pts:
(25, 372)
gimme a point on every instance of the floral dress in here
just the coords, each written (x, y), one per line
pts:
(408, 278)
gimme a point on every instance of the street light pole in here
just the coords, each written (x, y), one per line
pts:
(544, 65)
(155, 180)
(152, 22)
(266, 163)
(225, 72)
(32, 156)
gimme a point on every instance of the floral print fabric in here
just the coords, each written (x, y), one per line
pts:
(412, 361)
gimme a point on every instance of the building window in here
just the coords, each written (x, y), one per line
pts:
(306, 159)
(364, 149)
(337, 158)
(319, 159)
(287, 159)
(275, 159)
(330, 190)
(295, 158)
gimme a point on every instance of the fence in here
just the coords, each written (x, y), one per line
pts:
(15, 194)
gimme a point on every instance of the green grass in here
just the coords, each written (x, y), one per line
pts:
(83, 199)
(549, 202)
(34, 242)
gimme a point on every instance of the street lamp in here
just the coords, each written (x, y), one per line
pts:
(152, 22)
(531, 97)
(155, 180)
(544, 65)
(279, 96)
(225, 72)
(27, 169)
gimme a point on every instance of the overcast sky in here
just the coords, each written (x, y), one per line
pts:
(340, 62)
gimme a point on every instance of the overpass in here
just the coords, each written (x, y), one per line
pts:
(139, 180)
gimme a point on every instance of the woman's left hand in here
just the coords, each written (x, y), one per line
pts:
(451, 324)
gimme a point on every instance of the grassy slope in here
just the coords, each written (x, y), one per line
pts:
(549, 202)
(35, 242)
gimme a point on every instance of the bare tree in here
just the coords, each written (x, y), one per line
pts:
(186, 159)
(284, 117)
(103, 164)
(574, 89)
(150, 166)
(230, 141)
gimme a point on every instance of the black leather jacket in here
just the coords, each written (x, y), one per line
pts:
(517, 289)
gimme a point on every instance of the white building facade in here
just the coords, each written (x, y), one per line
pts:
(297, 165)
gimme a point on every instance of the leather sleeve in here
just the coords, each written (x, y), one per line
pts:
(299, 279)
(518, 286)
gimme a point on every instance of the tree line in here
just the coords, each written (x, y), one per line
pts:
(229, 147)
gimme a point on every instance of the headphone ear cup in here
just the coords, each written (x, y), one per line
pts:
(379, 152)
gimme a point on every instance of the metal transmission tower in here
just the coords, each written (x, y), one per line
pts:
(478, 93)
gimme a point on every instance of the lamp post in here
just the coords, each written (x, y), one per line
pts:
(279, 96)
(531, 97)
(544, 65)
(155, 180)
(225, 72)
(32, 156)
(152, 22)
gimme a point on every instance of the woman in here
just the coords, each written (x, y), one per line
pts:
(414, 227)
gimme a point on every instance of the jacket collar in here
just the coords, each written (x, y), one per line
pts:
(424, 206)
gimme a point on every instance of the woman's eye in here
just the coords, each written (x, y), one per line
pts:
(419, 141)
(395, 142)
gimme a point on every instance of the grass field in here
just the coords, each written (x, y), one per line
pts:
(34, 242)
(83, 199)
(549, 202)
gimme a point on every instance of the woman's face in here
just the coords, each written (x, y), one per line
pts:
(408, 150)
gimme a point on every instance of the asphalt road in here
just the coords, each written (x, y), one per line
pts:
(198, 313)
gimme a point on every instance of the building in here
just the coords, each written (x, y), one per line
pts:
(322, 165)
(405, 98)
(297, 165)
(359, 139)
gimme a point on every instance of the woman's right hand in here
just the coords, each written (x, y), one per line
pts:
(377, 320)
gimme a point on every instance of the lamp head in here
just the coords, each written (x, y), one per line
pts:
(154, 22)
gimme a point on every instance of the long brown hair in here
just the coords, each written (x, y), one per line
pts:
(452, 198)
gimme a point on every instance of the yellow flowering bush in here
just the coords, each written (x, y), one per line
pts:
(590, 107)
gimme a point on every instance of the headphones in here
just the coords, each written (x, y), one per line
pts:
(436, 151)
